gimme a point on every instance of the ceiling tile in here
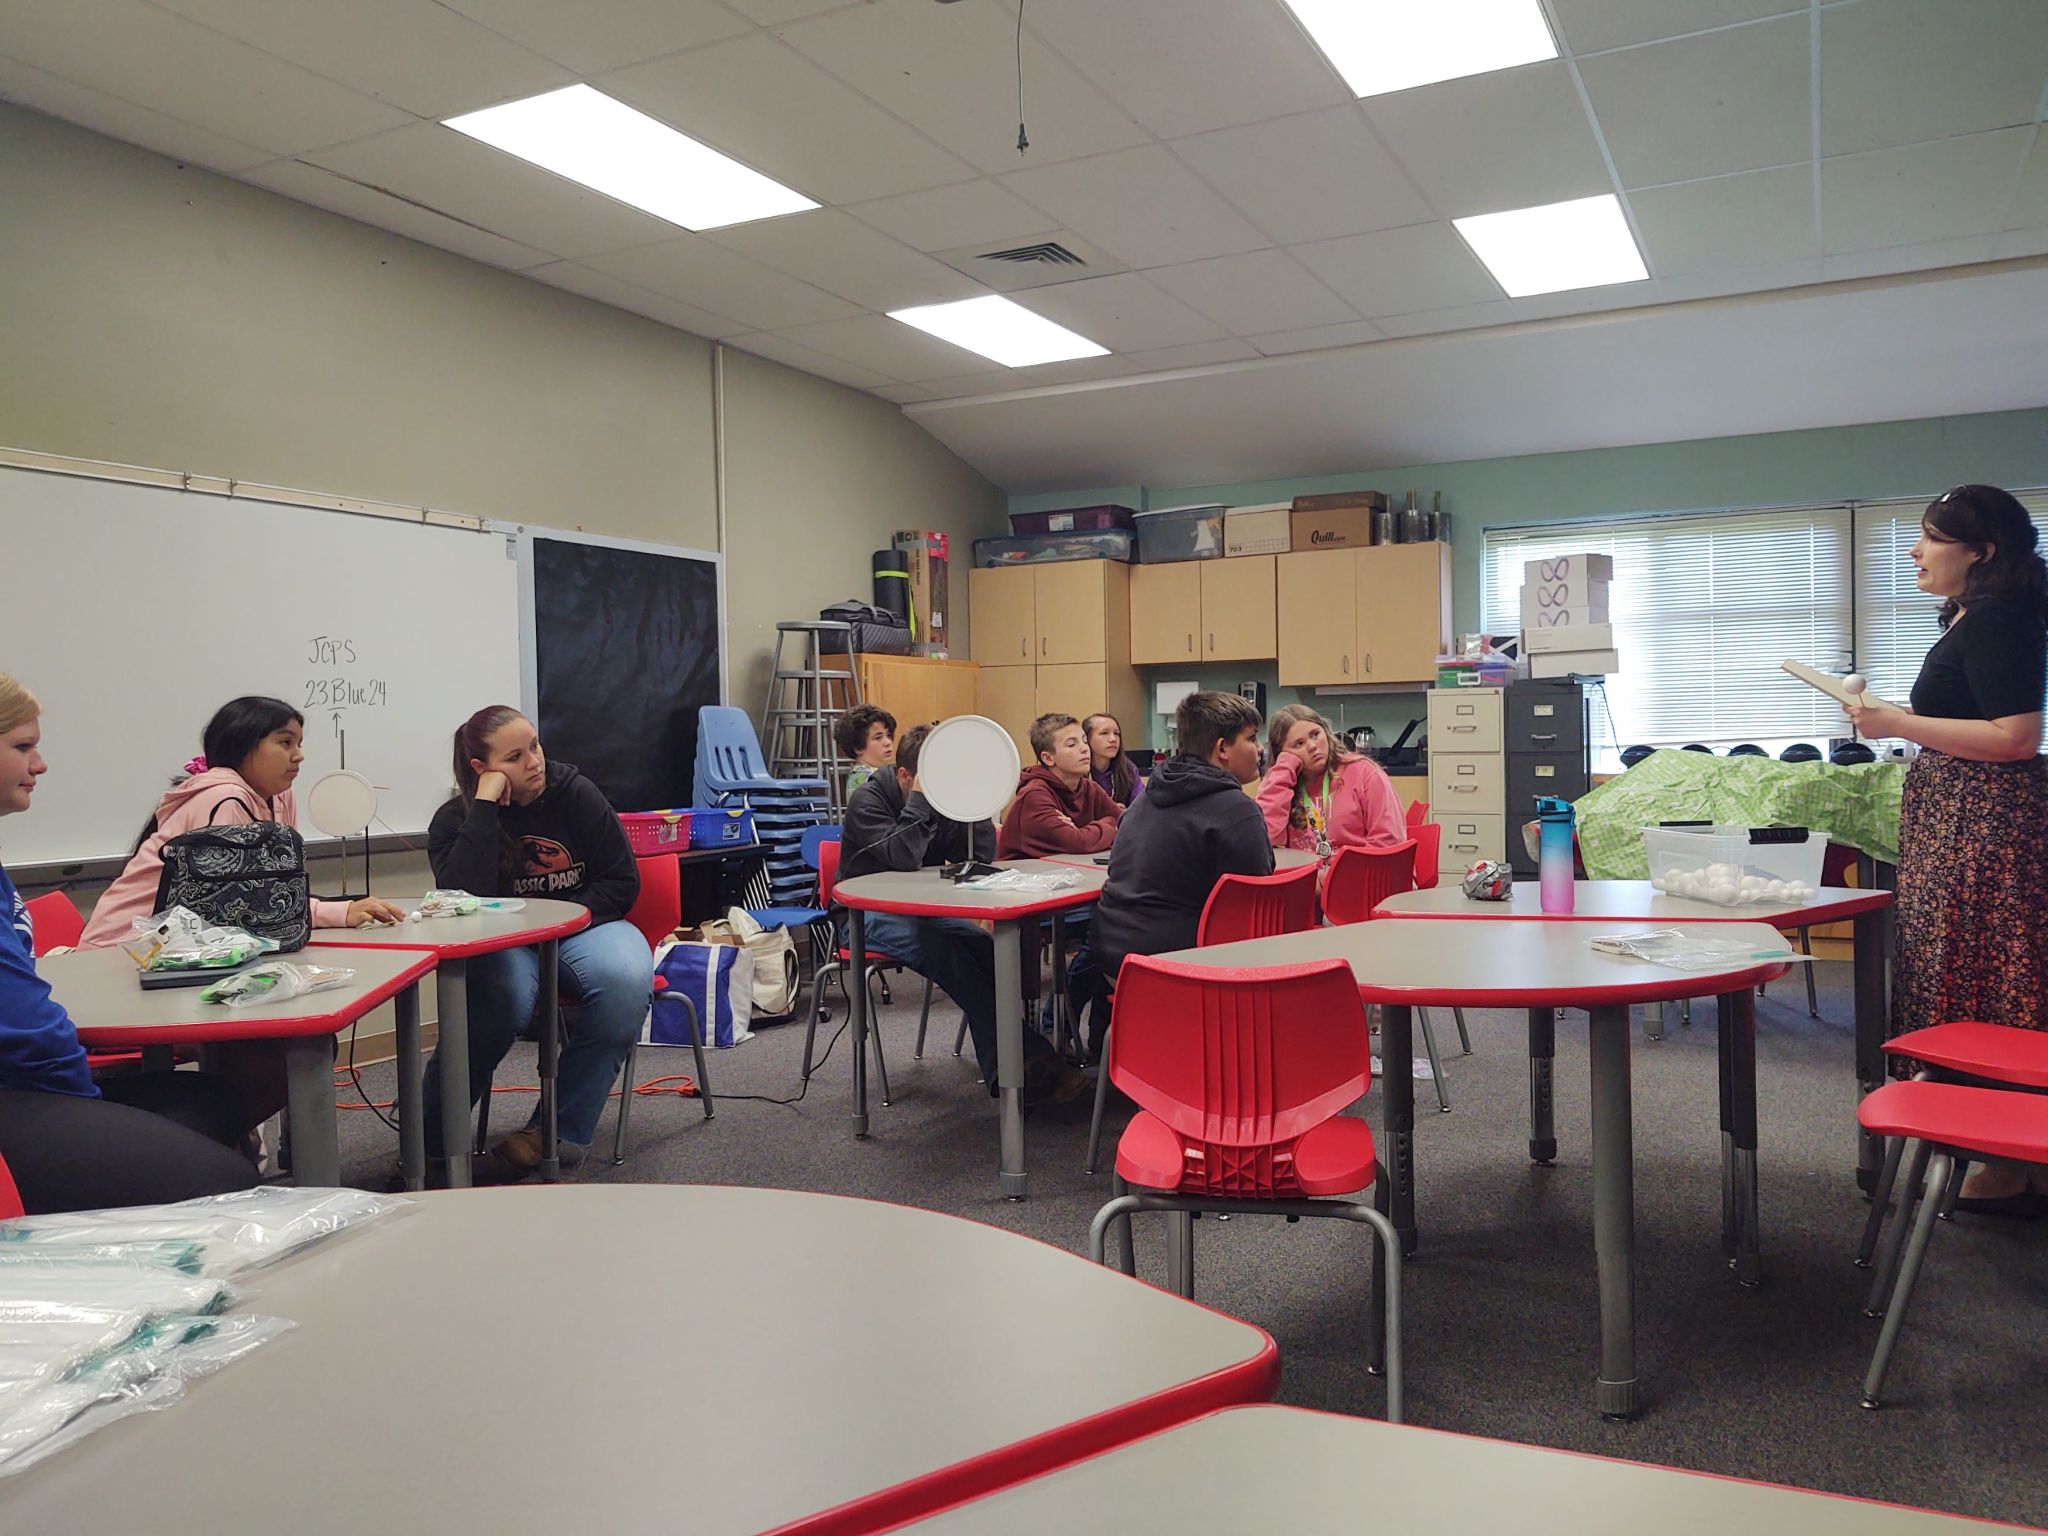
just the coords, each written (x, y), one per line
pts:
(700, 272)
(1919, 192)
(2030, 199)
(1182, 66)
(903, 394)
(836, 252)
(1898, 71)
(452, 173)
(1309, 177)
(593, 38)
(27, 86)
(773, 13)
(324, 189)
(781, 349)
(768, 106)
(1730, 221)
(945, 218)
(1316, 338)
(1590, 25)
(1258, 291)
(1124, 313)
(1704, 106)
(176, 67)
(606, 289)
(1722, 281)
(888, 347)
(968, 385)
(1143, 205)
(415, 54)
(951, 70)
(1398, 271)
(1954, 252)
(1517, 138)
(1200, 354)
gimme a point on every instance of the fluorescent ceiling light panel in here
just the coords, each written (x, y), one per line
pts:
(1001, 331)
(1394, 45)
(1581, 244)
(588, 137)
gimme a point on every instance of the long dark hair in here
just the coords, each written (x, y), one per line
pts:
(236, 729)
(1123, 773)
(473, 740)
(1983, 516)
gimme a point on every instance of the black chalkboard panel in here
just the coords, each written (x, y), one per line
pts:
(627, 647)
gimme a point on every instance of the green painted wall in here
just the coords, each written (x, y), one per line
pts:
(1862, 463)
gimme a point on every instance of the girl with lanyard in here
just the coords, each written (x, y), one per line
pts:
(1319, 796)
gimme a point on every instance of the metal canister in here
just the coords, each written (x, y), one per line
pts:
(1442, 530)
(1414, 526)
(1383, 527)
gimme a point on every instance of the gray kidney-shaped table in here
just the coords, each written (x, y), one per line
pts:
(1266, 1468)
(1534, 965)
(652, 1358)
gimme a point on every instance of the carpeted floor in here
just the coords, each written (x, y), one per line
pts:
(1502, 1331)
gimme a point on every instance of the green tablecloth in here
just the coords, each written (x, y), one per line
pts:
(1857, 805)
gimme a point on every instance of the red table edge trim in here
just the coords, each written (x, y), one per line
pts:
(1672, 988)
(473, 947)
(1863, 903)
(964, 1482)
(231, 1027)
(1055, 901)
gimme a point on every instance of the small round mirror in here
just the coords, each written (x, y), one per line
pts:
(968, 768)
(342, 803)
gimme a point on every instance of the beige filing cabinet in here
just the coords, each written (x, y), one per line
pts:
(1467, 776)
(1376, 615)
(1053, 638)
(1204, 610)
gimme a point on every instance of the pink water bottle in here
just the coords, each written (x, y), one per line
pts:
(1554, 820)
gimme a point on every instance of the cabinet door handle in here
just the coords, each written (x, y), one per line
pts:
(1212, 639)
(1043, 643)
(1368, 661)
(1024, 646)
(1191, 643)
(1347, 666)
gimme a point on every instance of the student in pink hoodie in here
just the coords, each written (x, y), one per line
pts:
(1319, 796)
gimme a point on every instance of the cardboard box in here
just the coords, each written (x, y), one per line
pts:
(1257, 530)
(1568, 581)
(1590, 608)
(1574, 663)
(1339, 528)
(924, 557)
(1342, 501)
(1568, 632)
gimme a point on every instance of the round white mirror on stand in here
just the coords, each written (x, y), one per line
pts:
(968, 768)
(343, 804)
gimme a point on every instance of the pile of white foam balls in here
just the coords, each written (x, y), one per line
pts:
(1727, 886)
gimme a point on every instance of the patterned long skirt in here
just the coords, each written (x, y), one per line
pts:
(1973, 894)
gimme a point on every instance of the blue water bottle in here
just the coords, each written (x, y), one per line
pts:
(1554, 853)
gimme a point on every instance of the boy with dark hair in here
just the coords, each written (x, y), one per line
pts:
(866, 737)
(1059, 808)
(1193, 825)
(891, 826)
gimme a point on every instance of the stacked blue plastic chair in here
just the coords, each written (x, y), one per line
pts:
(730, 771)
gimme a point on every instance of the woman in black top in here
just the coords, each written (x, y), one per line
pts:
(1973, 830)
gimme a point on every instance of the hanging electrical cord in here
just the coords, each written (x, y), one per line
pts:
(1023, 143)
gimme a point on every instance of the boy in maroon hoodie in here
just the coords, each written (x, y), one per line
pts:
(1059, 808)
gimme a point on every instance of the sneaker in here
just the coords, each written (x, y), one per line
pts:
(522, 1149)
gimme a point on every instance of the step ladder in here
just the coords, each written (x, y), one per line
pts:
(805, 700)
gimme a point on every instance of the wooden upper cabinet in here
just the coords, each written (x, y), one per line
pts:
(1239, 608)
(1073, 610)
(1317, 622)
(1008, 696)
(1166, 611)
(1404, 612)
(1002, 613)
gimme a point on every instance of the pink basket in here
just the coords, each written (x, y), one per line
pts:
(656, 832)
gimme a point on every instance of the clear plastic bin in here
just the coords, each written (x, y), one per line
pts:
(1181, 533)
(1736, 866)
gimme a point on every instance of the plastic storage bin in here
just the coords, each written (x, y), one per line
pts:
(721, 828)
(1736, 866)
(655, 832)
(1039, 548)
(1181, 533)
(1072, 520)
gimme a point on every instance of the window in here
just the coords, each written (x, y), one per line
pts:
(1705, 608)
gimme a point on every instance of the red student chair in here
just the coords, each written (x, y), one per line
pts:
(56, 924)
(1944, 1123)
(1418, 813)
(1239, 907)
(10, 1197)
(878, 961)
(1362, 878)
(1241, 1077)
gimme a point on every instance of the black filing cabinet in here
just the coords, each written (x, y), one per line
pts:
(1548, 743)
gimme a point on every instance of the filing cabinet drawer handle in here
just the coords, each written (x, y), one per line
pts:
(1543, 735)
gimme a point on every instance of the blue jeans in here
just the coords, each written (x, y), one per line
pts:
(961, 961)
(609, 971)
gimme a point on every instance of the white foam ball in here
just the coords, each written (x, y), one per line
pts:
(1774, 890)
(1659, 885)
(1854, 683)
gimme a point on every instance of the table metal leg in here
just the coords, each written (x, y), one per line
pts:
(549, 1008)
(1614, 1211)
(1397, 1089)
(1009, 939)
(1738, 1015)
(1873, 937)
(1542, 1069)
(1724, 1062)
(857, 1013)
(309, 1101)
(451, 998)
(412, 1130)
(1653, 1021)
(1058, 985)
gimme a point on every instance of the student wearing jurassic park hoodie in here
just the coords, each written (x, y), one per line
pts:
(1058, 807)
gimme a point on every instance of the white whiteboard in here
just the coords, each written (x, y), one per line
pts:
(135, 611)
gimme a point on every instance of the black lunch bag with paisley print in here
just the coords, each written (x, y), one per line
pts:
(249, 875)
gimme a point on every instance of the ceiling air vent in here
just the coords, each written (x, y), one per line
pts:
(1047, 252)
